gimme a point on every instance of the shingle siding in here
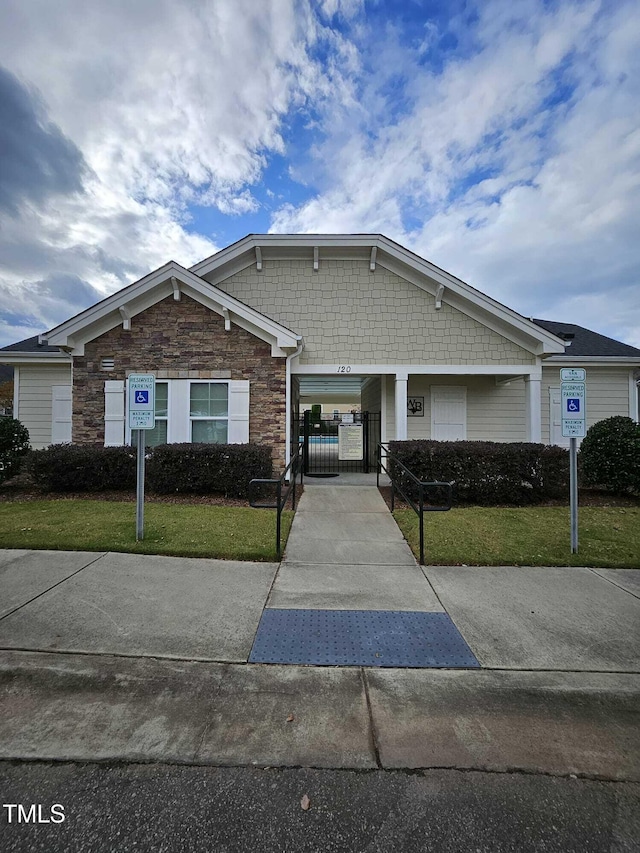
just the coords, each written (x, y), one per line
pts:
(348, 314)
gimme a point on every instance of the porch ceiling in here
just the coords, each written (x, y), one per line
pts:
(338, 386)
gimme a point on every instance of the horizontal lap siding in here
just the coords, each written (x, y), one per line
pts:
(35, 399)
(607, 394)
(370, 399)
(494, 412)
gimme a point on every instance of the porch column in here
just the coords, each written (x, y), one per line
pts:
(532, 390)
(402, 380)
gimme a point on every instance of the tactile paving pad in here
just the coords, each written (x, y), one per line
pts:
(360, 638)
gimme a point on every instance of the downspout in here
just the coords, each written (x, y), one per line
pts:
(287, 415)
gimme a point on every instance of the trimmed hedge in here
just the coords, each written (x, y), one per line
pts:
(83, 468)
(203, 469)
(14, 446)
(610, 455)
(488, 473)
(200, 469)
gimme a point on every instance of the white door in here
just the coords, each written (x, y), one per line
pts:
(60, 414)
(448, 412)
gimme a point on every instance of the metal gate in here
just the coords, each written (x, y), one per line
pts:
(335, 443)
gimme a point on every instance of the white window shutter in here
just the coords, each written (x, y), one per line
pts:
(238, 411)
(61, 410)
(114, 413)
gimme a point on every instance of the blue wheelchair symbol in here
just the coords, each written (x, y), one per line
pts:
(573, 404)
(142, 397)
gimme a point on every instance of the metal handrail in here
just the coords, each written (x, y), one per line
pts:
(289, 474)
(420, 508)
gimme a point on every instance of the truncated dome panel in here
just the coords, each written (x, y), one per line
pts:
(360, 638)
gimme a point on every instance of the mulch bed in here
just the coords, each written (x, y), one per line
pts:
(7, 496)
(586, 497)
(20, 489)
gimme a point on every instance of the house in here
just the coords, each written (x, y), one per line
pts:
(237, 341)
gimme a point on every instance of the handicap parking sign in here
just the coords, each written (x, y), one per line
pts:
(573, 409)
(141, 400)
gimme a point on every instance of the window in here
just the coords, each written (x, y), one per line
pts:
(158, 435)
(214, 411)
(209, 412)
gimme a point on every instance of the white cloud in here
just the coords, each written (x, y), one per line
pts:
(169, 103)
(553, 231)
(476, 166)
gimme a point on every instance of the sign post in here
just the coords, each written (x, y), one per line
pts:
(574, 416)
(141, 399)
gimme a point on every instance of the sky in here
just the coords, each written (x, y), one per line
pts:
(499, 139)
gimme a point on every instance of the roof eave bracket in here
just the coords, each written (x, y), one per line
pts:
(126, 318)
(175, 284)
(258, 259)
(372, 260)
(439, 295)
(227, 319)
(316, 258)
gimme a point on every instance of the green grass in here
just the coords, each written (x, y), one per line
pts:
(609, 537)
(232, 533)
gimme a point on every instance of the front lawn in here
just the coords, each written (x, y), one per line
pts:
(609, 537)
(181, 530)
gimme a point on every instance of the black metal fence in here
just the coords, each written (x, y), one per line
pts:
(323, 451)
(412, 489)
(279, 490)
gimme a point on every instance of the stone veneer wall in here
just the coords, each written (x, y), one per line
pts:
(182, 340)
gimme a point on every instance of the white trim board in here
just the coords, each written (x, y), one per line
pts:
(515, 370)
(141, 295)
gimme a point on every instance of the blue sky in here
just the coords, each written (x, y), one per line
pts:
(499, 140)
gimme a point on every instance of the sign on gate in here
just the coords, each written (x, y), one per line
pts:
(350, 442)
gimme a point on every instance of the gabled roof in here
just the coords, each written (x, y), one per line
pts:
(34, 344)
(123, 306)
(543, 337)
(585, 343)
(378, 249)
(33, 351)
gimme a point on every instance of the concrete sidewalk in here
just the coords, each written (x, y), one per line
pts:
(139, 658)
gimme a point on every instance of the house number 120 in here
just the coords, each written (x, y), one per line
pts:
(344, 368)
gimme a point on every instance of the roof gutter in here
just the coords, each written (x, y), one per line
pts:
(35, 358)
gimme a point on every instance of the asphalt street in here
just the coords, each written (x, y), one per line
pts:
(166, 809)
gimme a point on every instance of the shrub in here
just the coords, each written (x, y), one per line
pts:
(83, 468)
(488, 473)
(610, 455)
(202, 469)
(14, 445)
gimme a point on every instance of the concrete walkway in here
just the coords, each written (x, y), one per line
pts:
(345, 552)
